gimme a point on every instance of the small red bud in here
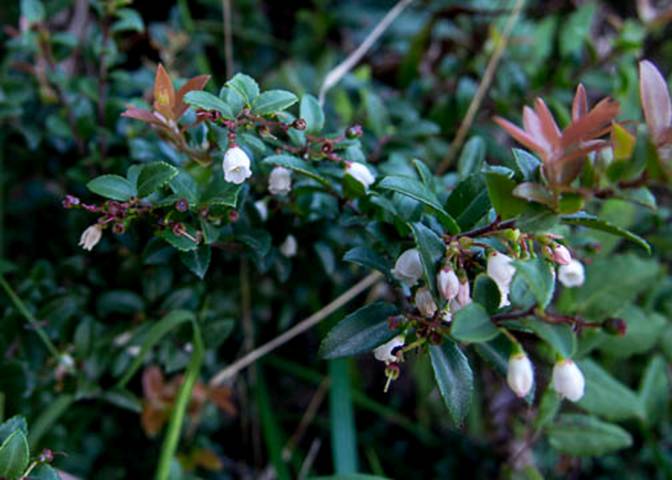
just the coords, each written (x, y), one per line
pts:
(299, 124)
(615, 326)
(354, 132)
(182, 205)
(118, 228)
(234, 216)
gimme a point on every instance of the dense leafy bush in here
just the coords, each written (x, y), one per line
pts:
(383, 268)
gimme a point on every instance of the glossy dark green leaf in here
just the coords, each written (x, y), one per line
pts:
(585, 436)
(246, 86)
(9, 426)
(14, 455)
(431, 249)
(472, 324)
(471, 158)
(590, 221)
(181, 242)
(273, 101)
(527, 164)
(418, 191)
(469, 202)
(559, 336)
(537, 273)
(207, 101)
(359, 332)
(153, 176)
(501, 184)
(454, 377)
(112, 186)
(366, 257)
(654, 390)
(486, 292)
(311, 112)
(607, 397)
(198, 260)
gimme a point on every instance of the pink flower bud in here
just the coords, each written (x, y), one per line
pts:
(425, 302)
(464, 294)
(561, 255)
(447, 283)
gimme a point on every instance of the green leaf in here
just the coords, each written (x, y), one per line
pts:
(343, 431)
(642, 333)
(585, 436)
(611, 283)
(112, 186)
(180, 242)
(128, 20)
(416, 190)
(221, 193)
(654, 391)
(472, 324)
(14, 455)
(297, 165)
(559, 336)
(424, 172)
(527, 164)
(197, 260)
(246, 86)
(33, 11)
(9, 426)
(431, 249)
(273, 101)
(486, 292)
(45, 472)
(596, 223)
(207, 101)
(153, 176)
(311, 111)
(607, 397)
(471, 158)
(538, 276)
(366, 257)
(274, 437)
(576, 30)
(184, 186)
(500, 183)
(549, 406)
(359, 332)
(454, 377)
(469, 202)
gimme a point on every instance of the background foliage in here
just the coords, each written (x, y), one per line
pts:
(95, 343)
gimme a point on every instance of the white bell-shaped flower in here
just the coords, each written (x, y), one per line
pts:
(280, 181)
(572, 275)
(289, 247)
(408, 267)
(236, 166)
(360, 172)
(91, 236)
(520, 374)
(386, 352)
(501, 270)
(568, 380)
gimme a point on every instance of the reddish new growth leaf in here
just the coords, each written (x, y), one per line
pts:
(563, 151)
(657, 108)
(160, 396)
(168, 105)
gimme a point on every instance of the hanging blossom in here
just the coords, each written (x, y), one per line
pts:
(236, 165)
(520, 374)
(280, 181)
(563, 152)
(91, 236)
(408, 268)
(360, 172)
(500, 269)
(572, 274)
(567, 380)
(387, 352)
